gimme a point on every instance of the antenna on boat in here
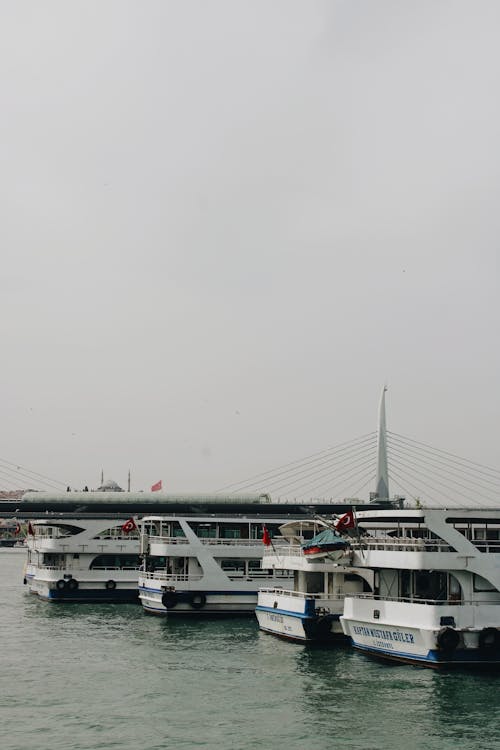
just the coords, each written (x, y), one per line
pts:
(128, 482)
(382, 486)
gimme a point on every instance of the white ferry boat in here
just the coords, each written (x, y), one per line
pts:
(436, 596)
(81, 558)
(205, 564)
(322, 575)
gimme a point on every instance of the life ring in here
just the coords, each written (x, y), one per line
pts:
(447, 639)
(60, 585)
(110, 585)
(72, 584)
(198, 600)
(489, 639)
(169, 599)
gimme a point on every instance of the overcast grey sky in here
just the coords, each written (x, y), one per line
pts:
(226, 224)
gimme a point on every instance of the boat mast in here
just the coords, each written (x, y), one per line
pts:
(382, 486)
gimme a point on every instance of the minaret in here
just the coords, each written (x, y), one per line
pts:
(382, 486)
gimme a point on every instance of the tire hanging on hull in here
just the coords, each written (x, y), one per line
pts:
(198, 600)
(169, 599)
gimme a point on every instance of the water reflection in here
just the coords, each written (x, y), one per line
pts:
(372, 702)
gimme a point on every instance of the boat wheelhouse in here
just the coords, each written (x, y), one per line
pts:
(205, 564)
(436, 596)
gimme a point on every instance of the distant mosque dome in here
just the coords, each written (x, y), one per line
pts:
(109, 486)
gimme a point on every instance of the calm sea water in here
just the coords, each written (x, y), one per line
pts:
(97, 677)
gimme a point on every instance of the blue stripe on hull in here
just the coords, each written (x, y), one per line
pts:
(182, 592)
(199, 612)
(92, 595)
(435, 659)
(289, 613)
(286, 612)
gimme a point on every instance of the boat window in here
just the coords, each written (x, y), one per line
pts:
(353, 578)
(116, 532)
(153, 528)
(204, 530)
(233, 531)
(280, 573)
(58, 531)
(53, 559)
(115, 562)
(481, 584)
(157, 563)
(430, 585)
(314, 583)
(233, 566)
(405, 584)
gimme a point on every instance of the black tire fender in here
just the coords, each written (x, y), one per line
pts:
(61, 584)
(110, 585)
(169, 599)
(73, 584)
(197, 600)
(489, 639)
(448, 639)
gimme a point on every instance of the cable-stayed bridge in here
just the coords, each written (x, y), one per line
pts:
(419, 472)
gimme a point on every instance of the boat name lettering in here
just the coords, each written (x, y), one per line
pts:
(387, 635)
(275, 618)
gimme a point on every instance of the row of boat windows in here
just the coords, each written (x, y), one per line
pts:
(62, 532)
(425, 584)
(213, 530)
(120, 561)
(237, 566)
(170, 529)
(101, 561)
(473, 534)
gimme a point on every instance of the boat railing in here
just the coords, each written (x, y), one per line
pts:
(487, 545)
(420, 600)
(171, 577)
(207, 540)
(401, 544)
(95, 567)
(122, 567)
(283, 550)
(301, 594)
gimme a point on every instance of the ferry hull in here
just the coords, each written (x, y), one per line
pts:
(298, 618)
(429, 644)
(90, 591)
(462, 659)
(198, 603)
(120, 596)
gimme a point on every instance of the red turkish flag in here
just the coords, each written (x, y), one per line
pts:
(156, 486)
(129, 526)
(266, 537)
(345, 522)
